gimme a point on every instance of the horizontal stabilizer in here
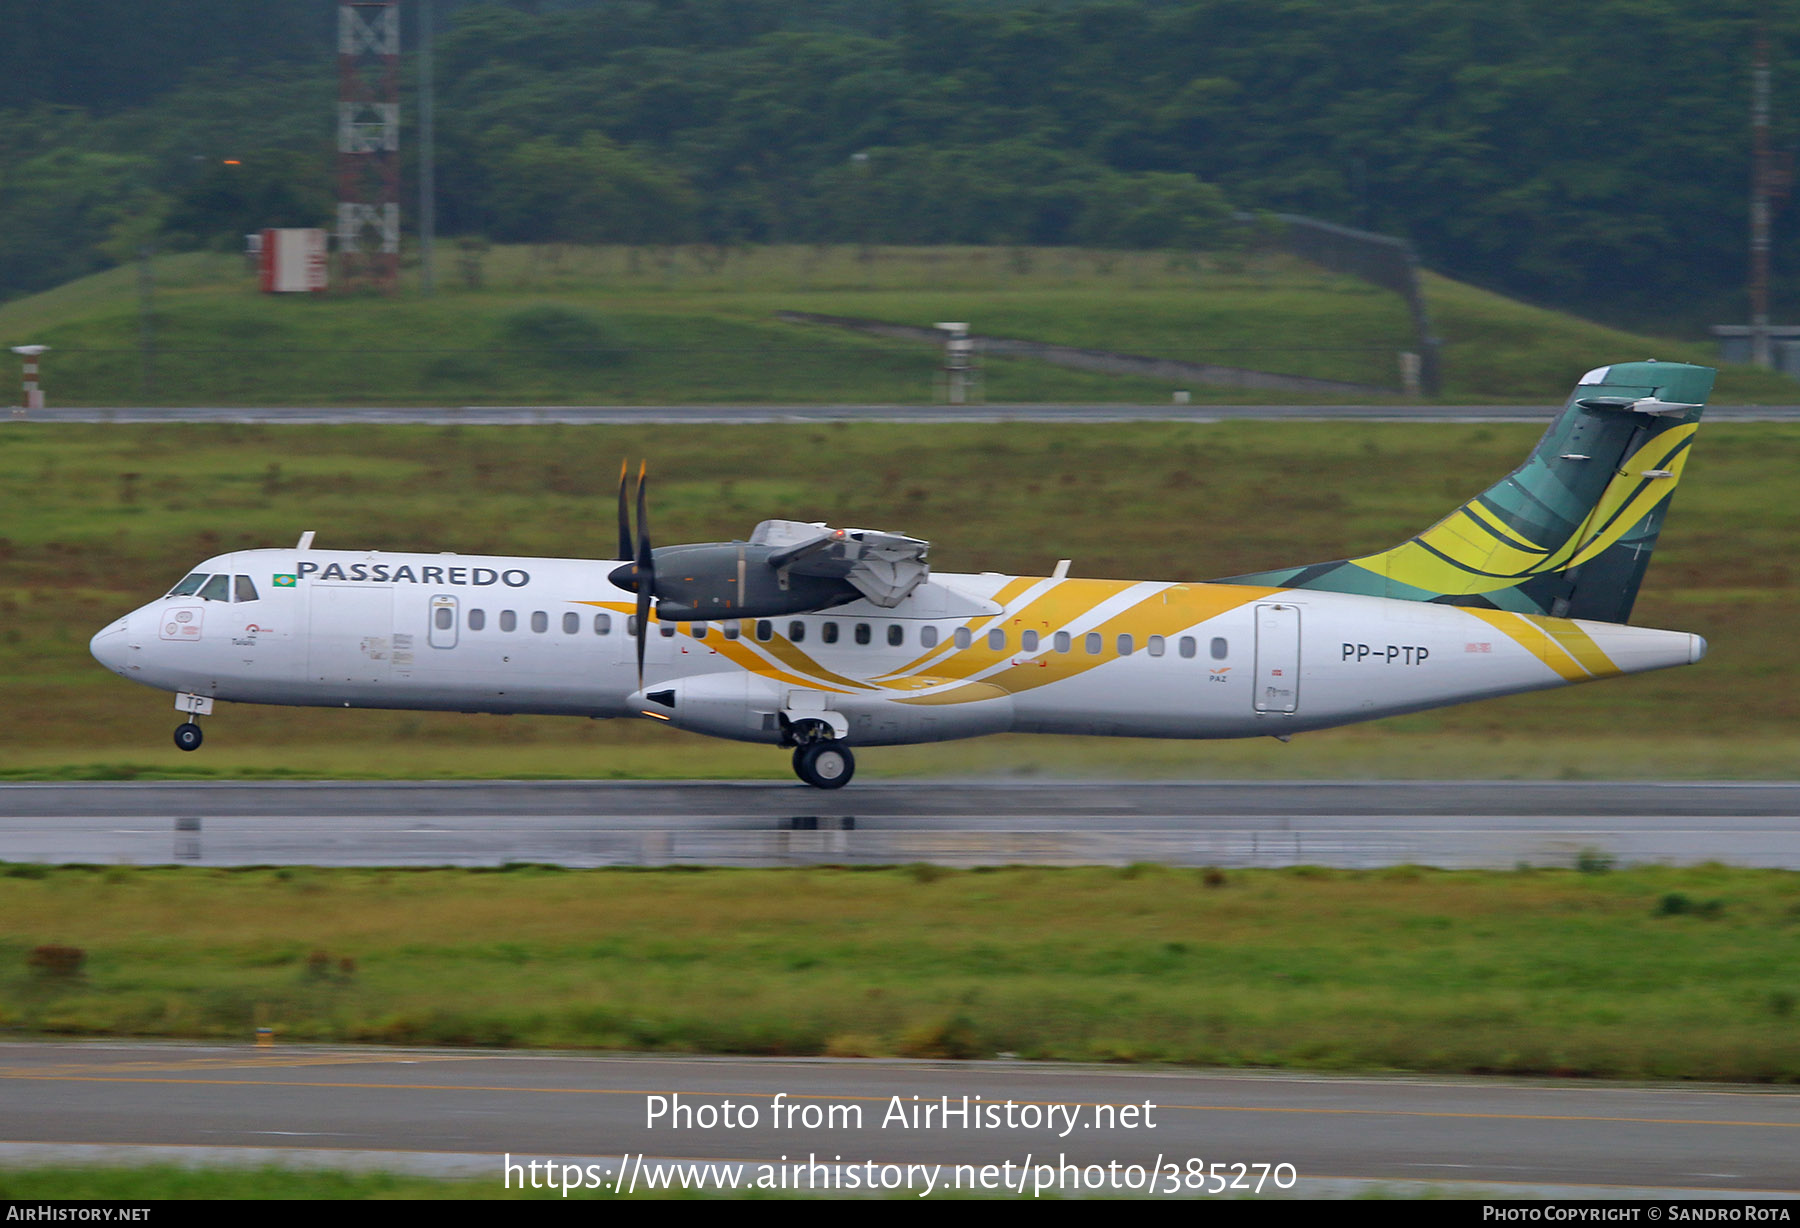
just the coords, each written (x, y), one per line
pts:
(1640, 405)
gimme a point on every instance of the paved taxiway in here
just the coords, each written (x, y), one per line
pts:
(460, 1112)
(713, 415)
(598, 823)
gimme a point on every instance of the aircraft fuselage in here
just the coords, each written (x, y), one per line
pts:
(964, 655)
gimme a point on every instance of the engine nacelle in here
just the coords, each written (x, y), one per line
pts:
(785, 568)
(720, 580)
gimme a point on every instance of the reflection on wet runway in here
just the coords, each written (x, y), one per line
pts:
(580, 823)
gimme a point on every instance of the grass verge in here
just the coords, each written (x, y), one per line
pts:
(676, 325)
(1648, 973)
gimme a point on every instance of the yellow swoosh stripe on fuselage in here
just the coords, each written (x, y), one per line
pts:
(790, 664)
(958, 677)
(1557, 642)
(1155, 614)
(945, 649)
(1060, 605)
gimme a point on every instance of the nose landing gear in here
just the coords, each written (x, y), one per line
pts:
(187, 734)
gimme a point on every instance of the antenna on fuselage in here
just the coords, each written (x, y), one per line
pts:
(305, 541)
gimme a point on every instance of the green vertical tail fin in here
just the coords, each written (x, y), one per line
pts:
(1569, 532)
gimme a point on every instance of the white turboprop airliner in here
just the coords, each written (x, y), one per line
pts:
(819, 639)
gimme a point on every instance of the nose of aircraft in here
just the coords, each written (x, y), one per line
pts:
(109, 645)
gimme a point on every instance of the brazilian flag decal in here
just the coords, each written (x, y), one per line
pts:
(286, 581)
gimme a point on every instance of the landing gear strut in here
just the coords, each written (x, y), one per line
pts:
(188, 736)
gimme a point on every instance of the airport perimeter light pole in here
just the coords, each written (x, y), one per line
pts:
(1759, 199)
(427, 159)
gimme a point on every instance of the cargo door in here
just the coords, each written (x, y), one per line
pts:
(350, 636)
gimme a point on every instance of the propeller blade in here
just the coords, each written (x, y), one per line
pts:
(646, 569)
(624, 517)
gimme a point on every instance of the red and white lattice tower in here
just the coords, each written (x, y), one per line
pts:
(368, 212)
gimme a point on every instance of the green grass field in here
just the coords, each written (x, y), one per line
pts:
(697, 325)
(1647, 973)
(101, 518)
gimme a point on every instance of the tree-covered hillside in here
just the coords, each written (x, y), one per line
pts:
(1594, 155)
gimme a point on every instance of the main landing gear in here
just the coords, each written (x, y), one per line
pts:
(825, 765)
(822, 761)
(188, 736)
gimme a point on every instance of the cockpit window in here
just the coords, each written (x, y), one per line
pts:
(245, 589)
(189, 586)
(217, 589)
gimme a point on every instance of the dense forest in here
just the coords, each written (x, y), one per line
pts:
(1591, 155)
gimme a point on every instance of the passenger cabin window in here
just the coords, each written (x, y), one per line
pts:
(862, 633)
(896, 634)
(797, 631)
(1062, 641)
(540, 621)
(732, 631)
(828, 632)
(189, 586)
(217, 589)
(928, 636)
(1187, 646)
(1029, 641)
(477, 619)
(997, 640)
(245, 588)
(444, 617)
(667, 630)
(603, 624)
(631, 625)
(962, 637)
(1125, 645)
(765, 630)
(1220, 649)
(1091, 642)
(509, 621)
(699, 630)
(571, 623)
(1155, 645)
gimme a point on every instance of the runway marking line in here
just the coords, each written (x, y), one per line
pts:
(1193, 1108)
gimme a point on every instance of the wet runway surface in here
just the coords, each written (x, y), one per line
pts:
(593, 823)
